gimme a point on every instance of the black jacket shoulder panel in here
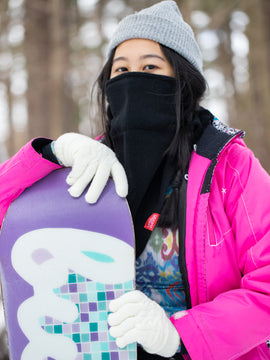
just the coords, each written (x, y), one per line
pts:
(214, 138)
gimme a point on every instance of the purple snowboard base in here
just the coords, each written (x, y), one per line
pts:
(62, 261)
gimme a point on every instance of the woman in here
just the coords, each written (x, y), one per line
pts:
(198, 198)
(206, 263)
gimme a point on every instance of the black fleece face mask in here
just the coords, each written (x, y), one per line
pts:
(143, 123)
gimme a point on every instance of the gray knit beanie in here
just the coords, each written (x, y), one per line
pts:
(164, 24)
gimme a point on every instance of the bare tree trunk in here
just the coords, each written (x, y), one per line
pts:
(5, 78)
(50, 105)
(55, 63)
(62, 105)
(225, 60)
(37, 48)
(10, 141)
(3, 346)
(257, 109)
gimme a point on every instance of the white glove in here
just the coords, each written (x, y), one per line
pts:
(136, 318)
(89, 160)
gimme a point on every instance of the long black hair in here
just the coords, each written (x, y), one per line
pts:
(190, 87)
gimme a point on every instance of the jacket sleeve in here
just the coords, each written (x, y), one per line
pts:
(19, 172)
(236, 323)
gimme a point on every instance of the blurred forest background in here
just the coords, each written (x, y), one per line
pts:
(52, 50)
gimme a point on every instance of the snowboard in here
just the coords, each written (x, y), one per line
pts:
(61, 261)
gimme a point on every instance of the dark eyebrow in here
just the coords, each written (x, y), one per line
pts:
(119, 59)
(146, 56)
(152, 56)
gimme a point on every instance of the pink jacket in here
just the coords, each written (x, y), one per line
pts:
(20, 172)
(227, 245)
(227, 253)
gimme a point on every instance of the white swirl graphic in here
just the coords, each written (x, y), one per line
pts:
(101, 258)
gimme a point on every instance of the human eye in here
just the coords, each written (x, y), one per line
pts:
(117, 70)
(121, 69)
(150, 67)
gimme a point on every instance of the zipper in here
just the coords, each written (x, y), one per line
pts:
(182, 237)
(182, 206)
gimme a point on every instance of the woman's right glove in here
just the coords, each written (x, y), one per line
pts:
(90, 160)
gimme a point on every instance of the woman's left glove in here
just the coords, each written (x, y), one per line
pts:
(90, 160)
(136, 318)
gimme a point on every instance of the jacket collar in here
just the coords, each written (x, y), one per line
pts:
(214, 139)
